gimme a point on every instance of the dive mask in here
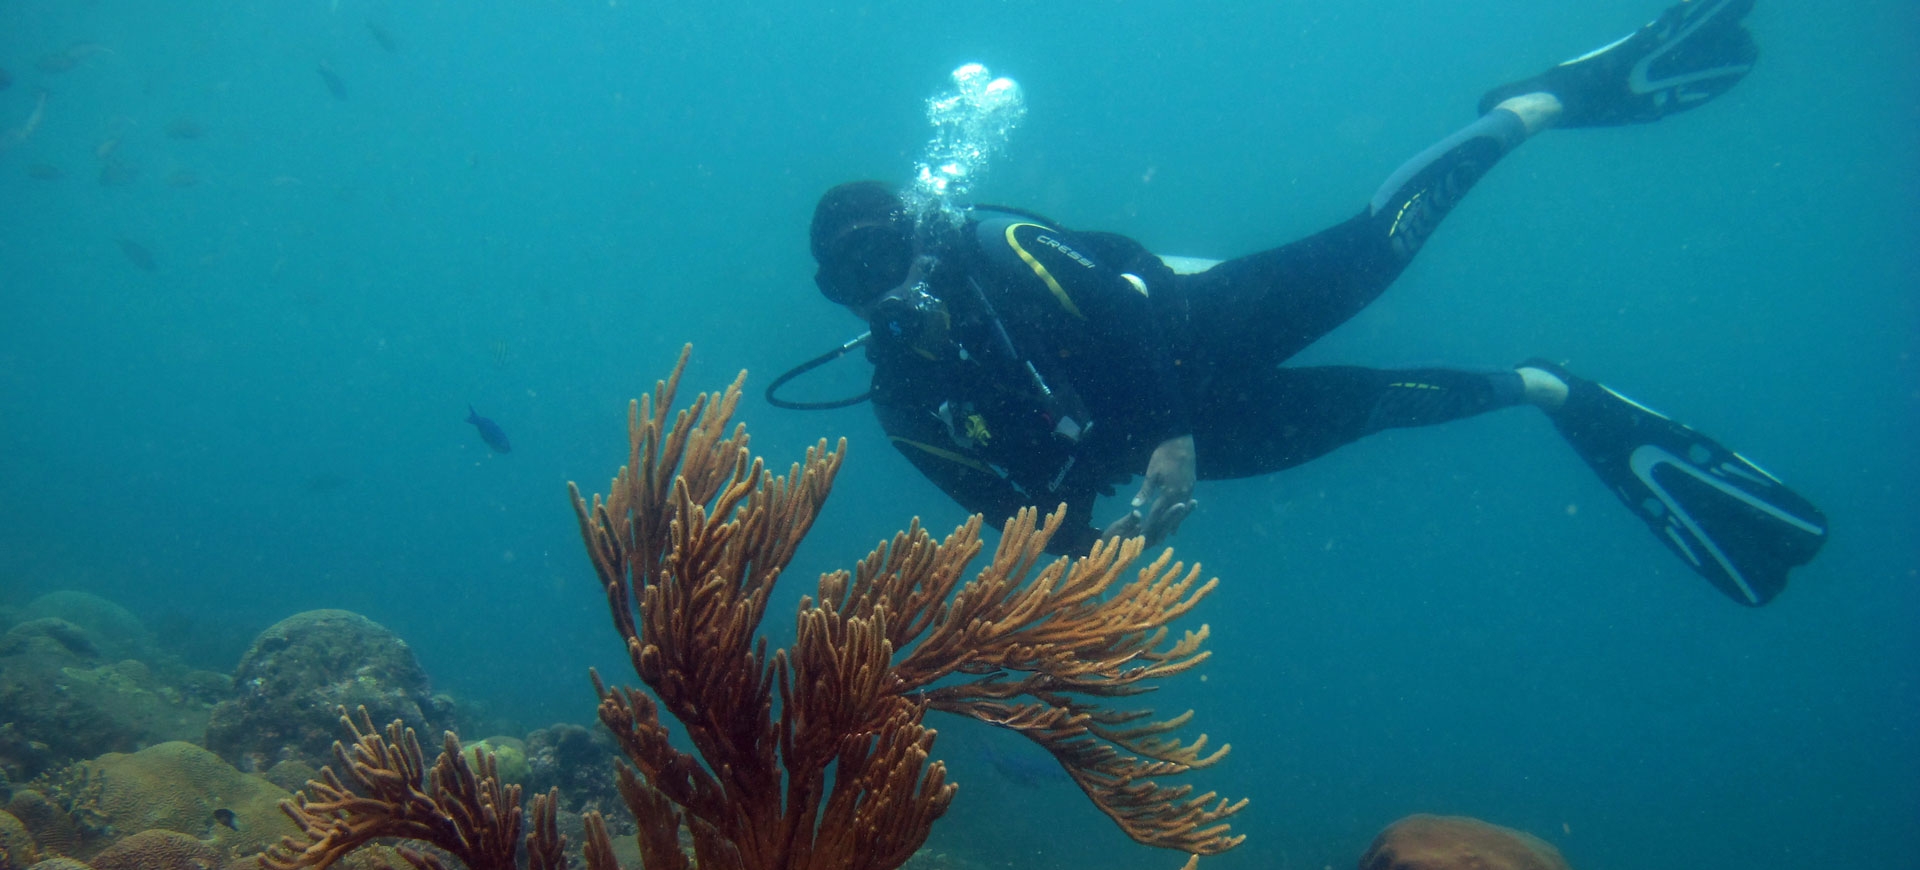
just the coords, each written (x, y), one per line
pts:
(865, 262)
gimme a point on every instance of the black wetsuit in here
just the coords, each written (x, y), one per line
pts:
(1074, 355)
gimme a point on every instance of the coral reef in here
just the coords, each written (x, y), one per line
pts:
(60, 863)
(66, 700)
(53, 830)
(577, 764)
(177, 786)
(509, 756)
(180, 787)
(159, 850)
(463, 810)
(208, 812)
(291, 774)
(303, 669)
(576, 761)
(1425, 842)
(838, 772)
(17, 848)
(117, 632)
(50, 636)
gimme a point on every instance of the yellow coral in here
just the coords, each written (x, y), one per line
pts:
(53, 830)
(159, 850)
(177, 786)
(17, 848)
(509, 753)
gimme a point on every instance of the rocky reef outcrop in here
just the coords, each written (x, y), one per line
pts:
(1427, 842)
(291, 684)
(80, 676)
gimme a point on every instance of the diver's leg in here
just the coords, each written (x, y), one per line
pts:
(1263, 308)
(1272, 420)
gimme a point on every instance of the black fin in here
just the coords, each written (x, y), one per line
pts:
(1731, 521)
(1693, 52)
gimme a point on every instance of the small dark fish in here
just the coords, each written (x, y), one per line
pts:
(6, 79)
(382, 38)
(70, 57)
(490, 432)
(225, 816)
(182, 178)
(185, 128)
(114, 173)
(1025, 769)
(334, 85)
(44, 172)
(24, 132)
(139, 256)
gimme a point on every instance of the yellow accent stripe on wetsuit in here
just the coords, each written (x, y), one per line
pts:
(1402, 213)
(948, 455)
(1059, 292)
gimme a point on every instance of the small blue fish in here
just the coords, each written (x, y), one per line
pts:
(490, 432)
(1027, 768)
(335, 85)
(138, 255)
(382, 37)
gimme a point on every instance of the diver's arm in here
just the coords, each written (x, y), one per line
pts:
(1139, 334)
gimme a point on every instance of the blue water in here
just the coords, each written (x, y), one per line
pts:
(530, 206)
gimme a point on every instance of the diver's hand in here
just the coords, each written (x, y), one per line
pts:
(1127, 526)
(1165, 498)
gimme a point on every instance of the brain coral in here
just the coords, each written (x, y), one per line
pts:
(177, 786)
(1424, 842)
(60, 864)
(16, 845)
(118, 632)
(54, 832)
(291, 684)
(159, 850)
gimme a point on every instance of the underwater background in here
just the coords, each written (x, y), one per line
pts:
(257, 259)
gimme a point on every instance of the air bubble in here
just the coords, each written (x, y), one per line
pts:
(971, 126)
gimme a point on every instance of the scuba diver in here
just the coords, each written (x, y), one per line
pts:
(1017, 362)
